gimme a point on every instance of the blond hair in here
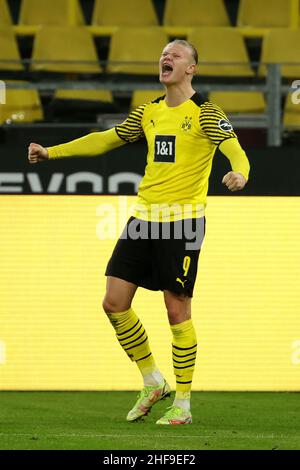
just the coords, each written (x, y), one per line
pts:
(185, 43)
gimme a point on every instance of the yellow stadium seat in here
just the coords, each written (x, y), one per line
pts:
(68, 50)
(280, 47)
(264, 14)
(121, 13)
(22, 105)
(55, 12)
(5, 18)
(9, 52)
(88, 95)
(144, 96)
(81, 105)
(239, 101)
(191, 13)
(291, 114)
(222, 52)
(132, 48)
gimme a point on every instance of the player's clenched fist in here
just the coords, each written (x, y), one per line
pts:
(234, 181)
(37, 153)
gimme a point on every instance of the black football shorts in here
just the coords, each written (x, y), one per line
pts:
(159, 255)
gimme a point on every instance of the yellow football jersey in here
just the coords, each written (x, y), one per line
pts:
(181, 142)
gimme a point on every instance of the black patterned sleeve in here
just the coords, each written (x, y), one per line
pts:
(131, 129)
(215, 124)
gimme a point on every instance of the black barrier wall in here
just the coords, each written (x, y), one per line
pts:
(274, 171)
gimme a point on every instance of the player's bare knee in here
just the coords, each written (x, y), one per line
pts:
(178, 307)
(178, 311)
(113, 305)
(177, 315)
(109, 306)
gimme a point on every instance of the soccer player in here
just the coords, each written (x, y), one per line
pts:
(161, 242)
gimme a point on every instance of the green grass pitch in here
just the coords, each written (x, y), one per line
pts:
(96, 420)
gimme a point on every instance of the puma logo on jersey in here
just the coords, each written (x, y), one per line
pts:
(181, 282)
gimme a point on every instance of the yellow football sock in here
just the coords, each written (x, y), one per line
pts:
(133, 339)
(184, 349)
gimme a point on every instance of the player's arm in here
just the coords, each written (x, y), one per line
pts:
(214, 122)
(94, 144)
(236, 179)
(90, 145)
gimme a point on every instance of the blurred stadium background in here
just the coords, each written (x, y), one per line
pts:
(69, 67)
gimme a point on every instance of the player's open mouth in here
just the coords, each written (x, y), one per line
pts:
(166, 70)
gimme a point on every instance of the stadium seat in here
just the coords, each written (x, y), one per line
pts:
(9, 53)
(144, 96)
(22, 105)
(5, 18)
(81, 105)
(132, 48)
(222, 52)
(194, 13)
(100, 100)
(68, 50)
(104, 96)
(120, 13)
(291, 114)
(280, 47)
(232, 102)
(264, 14)
(55, 12)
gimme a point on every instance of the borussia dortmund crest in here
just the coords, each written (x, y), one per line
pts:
(187, 123)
